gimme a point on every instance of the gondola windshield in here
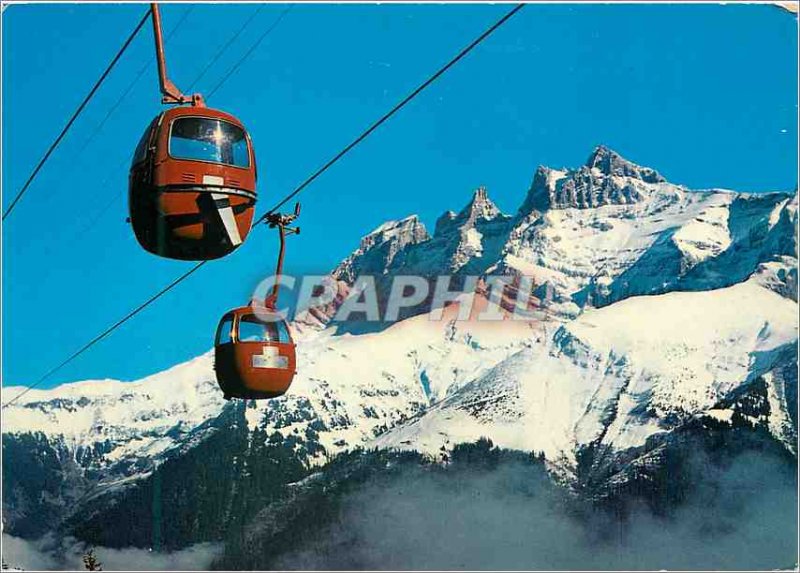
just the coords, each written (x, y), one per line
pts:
(206, 139)
(252, 329)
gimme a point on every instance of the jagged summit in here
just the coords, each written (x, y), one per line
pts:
(479, 208)
(377, 250)
(609, 162)
(472, 238)
(606, 179)
(392, 229)
(556, 226)
(464, 240)
(476, 233)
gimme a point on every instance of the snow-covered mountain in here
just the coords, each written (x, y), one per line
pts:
(617, 376)
(660, 305)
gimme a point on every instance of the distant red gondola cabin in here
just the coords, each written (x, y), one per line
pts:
(192, 187)
(253, 358)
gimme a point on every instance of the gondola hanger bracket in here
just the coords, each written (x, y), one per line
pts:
(283, 220)
(170, 94)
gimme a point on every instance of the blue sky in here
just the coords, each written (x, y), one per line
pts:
(704, 93)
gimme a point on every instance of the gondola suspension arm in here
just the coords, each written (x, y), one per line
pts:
(281, 222)
(169, 91)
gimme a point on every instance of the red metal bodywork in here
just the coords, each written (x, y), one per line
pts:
(172, 209)
(186, 208)
(237, 363)
(248, 369)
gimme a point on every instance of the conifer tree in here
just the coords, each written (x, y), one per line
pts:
(90, 561)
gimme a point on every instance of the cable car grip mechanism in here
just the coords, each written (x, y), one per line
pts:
(281, 222)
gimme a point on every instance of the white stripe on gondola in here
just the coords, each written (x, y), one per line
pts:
(228, 219)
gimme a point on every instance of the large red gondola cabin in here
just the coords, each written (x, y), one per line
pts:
(192, 184)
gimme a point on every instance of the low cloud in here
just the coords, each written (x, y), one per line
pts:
(51, 554)
(23, 554)
(742, 517)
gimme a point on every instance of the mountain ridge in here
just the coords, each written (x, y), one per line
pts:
(599, 240)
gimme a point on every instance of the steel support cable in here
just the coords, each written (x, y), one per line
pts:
(302, 186)
(118, 196)
(394, 110)
(75, 115)
(108, 330)
(103, 210)
(252, 49)
(131, 85)
(225, 47)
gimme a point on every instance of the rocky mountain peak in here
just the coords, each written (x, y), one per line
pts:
(606, 179)
(479, 209)
(404, 230)
(541, 195)
(480, 206)
(609, 162)
(377, 249)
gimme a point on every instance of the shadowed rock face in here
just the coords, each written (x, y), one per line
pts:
(377, 250)
(606, 179)
(612, 163)
(464, 242)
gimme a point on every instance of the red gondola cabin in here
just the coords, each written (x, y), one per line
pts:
(192, 188)
(253, 358)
